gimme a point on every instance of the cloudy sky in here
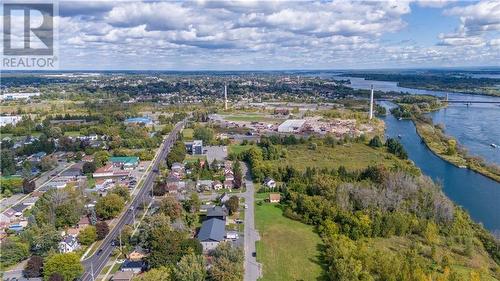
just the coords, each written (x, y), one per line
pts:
(253, 35)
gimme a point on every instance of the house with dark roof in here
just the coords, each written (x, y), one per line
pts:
(211, 233)
(133, 266)
(68, 244)
(217, 212)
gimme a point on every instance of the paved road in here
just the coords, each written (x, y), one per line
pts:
(94, 264)
(40, 182)
(252, 268)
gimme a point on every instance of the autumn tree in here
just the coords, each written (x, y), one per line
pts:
(33, 267)
(88, 235)
(171, 207)
(102, 229)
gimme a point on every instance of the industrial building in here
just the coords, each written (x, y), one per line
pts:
(5, 120)
(18, 96)
(291, 126)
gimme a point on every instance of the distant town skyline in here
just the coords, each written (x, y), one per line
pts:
(273, 35)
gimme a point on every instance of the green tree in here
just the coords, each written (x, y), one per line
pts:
(227, 263)
(109, 206)
(7, 162)
(155, 274)
(171, 207)
(89, 167)
(101, 158)
(233, 204)
(13, 251)
(88, 235)
(375, 142)
(203, 133)
(122, 191)
(191, 267)
(67, 265)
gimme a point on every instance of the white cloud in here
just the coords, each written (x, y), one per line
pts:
(254, 34)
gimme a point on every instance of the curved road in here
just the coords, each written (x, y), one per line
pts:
(94, 264)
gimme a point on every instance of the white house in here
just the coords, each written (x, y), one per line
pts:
(68, 244)
(269, 182)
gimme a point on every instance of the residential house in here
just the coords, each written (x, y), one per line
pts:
(83, 222)
(269, 182)
(217, 185)
(68, 244)
(204, 184)
(133, 266)
(224, 197)
(274, 197)
(217, 212)
(137, 255)
(228, 184)
(211, 233)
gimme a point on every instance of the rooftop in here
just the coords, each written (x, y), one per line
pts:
(212, 230)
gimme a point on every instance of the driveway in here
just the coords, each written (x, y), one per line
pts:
(252, 268)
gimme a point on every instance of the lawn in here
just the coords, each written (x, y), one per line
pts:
(354, 156)
(237, 149)
(194, 158)
(187, 134)
(72, 133)
(288, 249)
(252, 117)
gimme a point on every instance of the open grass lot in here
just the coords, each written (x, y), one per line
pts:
(288, 249)
(252, 117)
(188, 134)
(236, 149)
(354, 156)
(194, 158)
(72, 134)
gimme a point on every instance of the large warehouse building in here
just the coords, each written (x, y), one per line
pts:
(291, 126)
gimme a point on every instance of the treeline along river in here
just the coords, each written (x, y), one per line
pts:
(475, 126)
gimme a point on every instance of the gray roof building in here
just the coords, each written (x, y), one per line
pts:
(212, 230)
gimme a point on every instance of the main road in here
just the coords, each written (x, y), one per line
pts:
(94, 264)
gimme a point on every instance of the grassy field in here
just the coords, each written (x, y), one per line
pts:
(354, 156)
(252, 117)
(194, 158)
(187, 134)
(72, 134)
(238, 148)
(288, 250)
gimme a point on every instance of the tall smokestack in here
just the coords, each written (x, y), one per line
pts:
(371, 103)
(225, 96)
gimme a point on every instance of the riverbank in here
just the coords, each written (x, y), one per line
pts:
(448, 149)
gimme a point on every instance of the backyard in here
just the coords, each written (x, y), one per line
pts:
(288, 250)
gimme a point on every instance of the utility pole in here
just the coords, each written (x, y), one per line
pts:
(371, 103)
(225, 96)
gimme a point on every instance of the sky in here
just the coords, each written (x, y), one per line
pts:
(274, 35)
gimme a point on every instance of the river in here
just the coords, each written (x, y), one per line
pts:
(475, 126)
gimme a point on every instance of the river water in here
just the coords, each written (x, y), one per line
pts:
(475, 126)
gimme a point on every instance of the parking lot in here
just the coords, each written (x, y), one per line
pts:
(218, 153)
